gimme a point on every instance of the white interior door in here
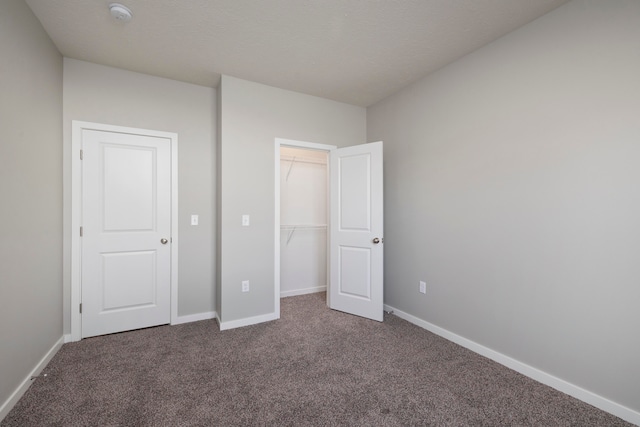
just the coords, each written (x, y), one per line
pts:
(356, 249)
(126, 222)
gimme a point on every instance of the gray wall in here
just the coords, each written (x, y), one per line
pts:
(100, 94)
(253, 115)
(511, 188)
(30, 194)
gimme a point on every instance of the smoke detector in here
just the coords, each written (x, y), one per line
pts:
(120, 13)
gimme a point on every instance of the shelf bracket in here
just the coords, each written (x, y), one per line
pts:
(293, 230)
(290, 167)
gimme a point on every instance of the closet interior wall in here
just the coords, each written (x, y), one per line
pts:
(303, 221)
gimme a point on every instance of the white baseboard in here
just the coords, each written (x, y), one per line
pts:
(24, 386)
(194, 317)
(304, 291)
(247, 321)
(591, 398)
(178, 321)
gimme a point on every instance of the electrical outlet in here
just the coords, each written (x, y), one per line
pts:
(245, 286)
(423, 287)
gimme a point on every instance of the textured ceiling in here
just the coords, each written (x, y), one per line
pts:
(354, 51)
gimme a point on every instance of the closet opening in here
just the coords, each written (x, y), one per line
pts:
(303, 221)
(302, 218)
(329, 225)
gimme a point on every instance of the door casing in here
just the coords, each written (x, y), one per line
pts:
(76, 214)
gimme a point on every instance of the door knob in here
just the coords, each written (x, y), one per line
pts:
(376, 240)
(164, 241)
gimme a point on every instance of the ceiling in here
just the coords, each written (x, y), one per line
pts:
(353, 51)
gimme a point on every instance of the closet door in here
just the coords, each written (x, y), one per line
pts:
(357, 256)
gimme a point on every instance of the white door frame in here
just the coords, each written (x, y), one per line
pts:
(76, 215)
(280, 142)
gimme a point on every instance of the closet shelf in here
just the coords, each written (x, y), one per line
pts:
(302, 226)
(294, 159)
(293, 227)
(300, 159)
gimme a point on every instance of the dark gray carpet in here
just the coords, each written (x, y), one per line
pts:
(314, 367)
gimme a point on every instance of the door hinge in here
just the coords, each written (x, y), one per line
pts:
(81, 155)
(80, 308)
(80, 231)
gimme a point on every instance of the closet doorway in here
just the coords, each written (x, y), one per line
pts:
(329, 225)
(303, 214)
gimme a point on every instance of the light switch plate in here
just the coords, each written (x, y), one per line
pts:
(423, 287)
(245, 220)
(194, 219)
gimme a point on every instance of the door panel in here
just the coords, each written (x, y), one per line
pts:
(128, 280)
(129, 188)
(355, 272)
(355, 193)
(356, 261)
(126, 212)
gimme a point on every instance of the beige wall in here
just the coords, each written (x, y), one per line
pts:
(511, 186)
(30, 194)
(253, 115)
(100, 94)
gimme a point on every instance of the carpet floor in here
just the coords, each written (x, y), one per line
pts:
(313, 367)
